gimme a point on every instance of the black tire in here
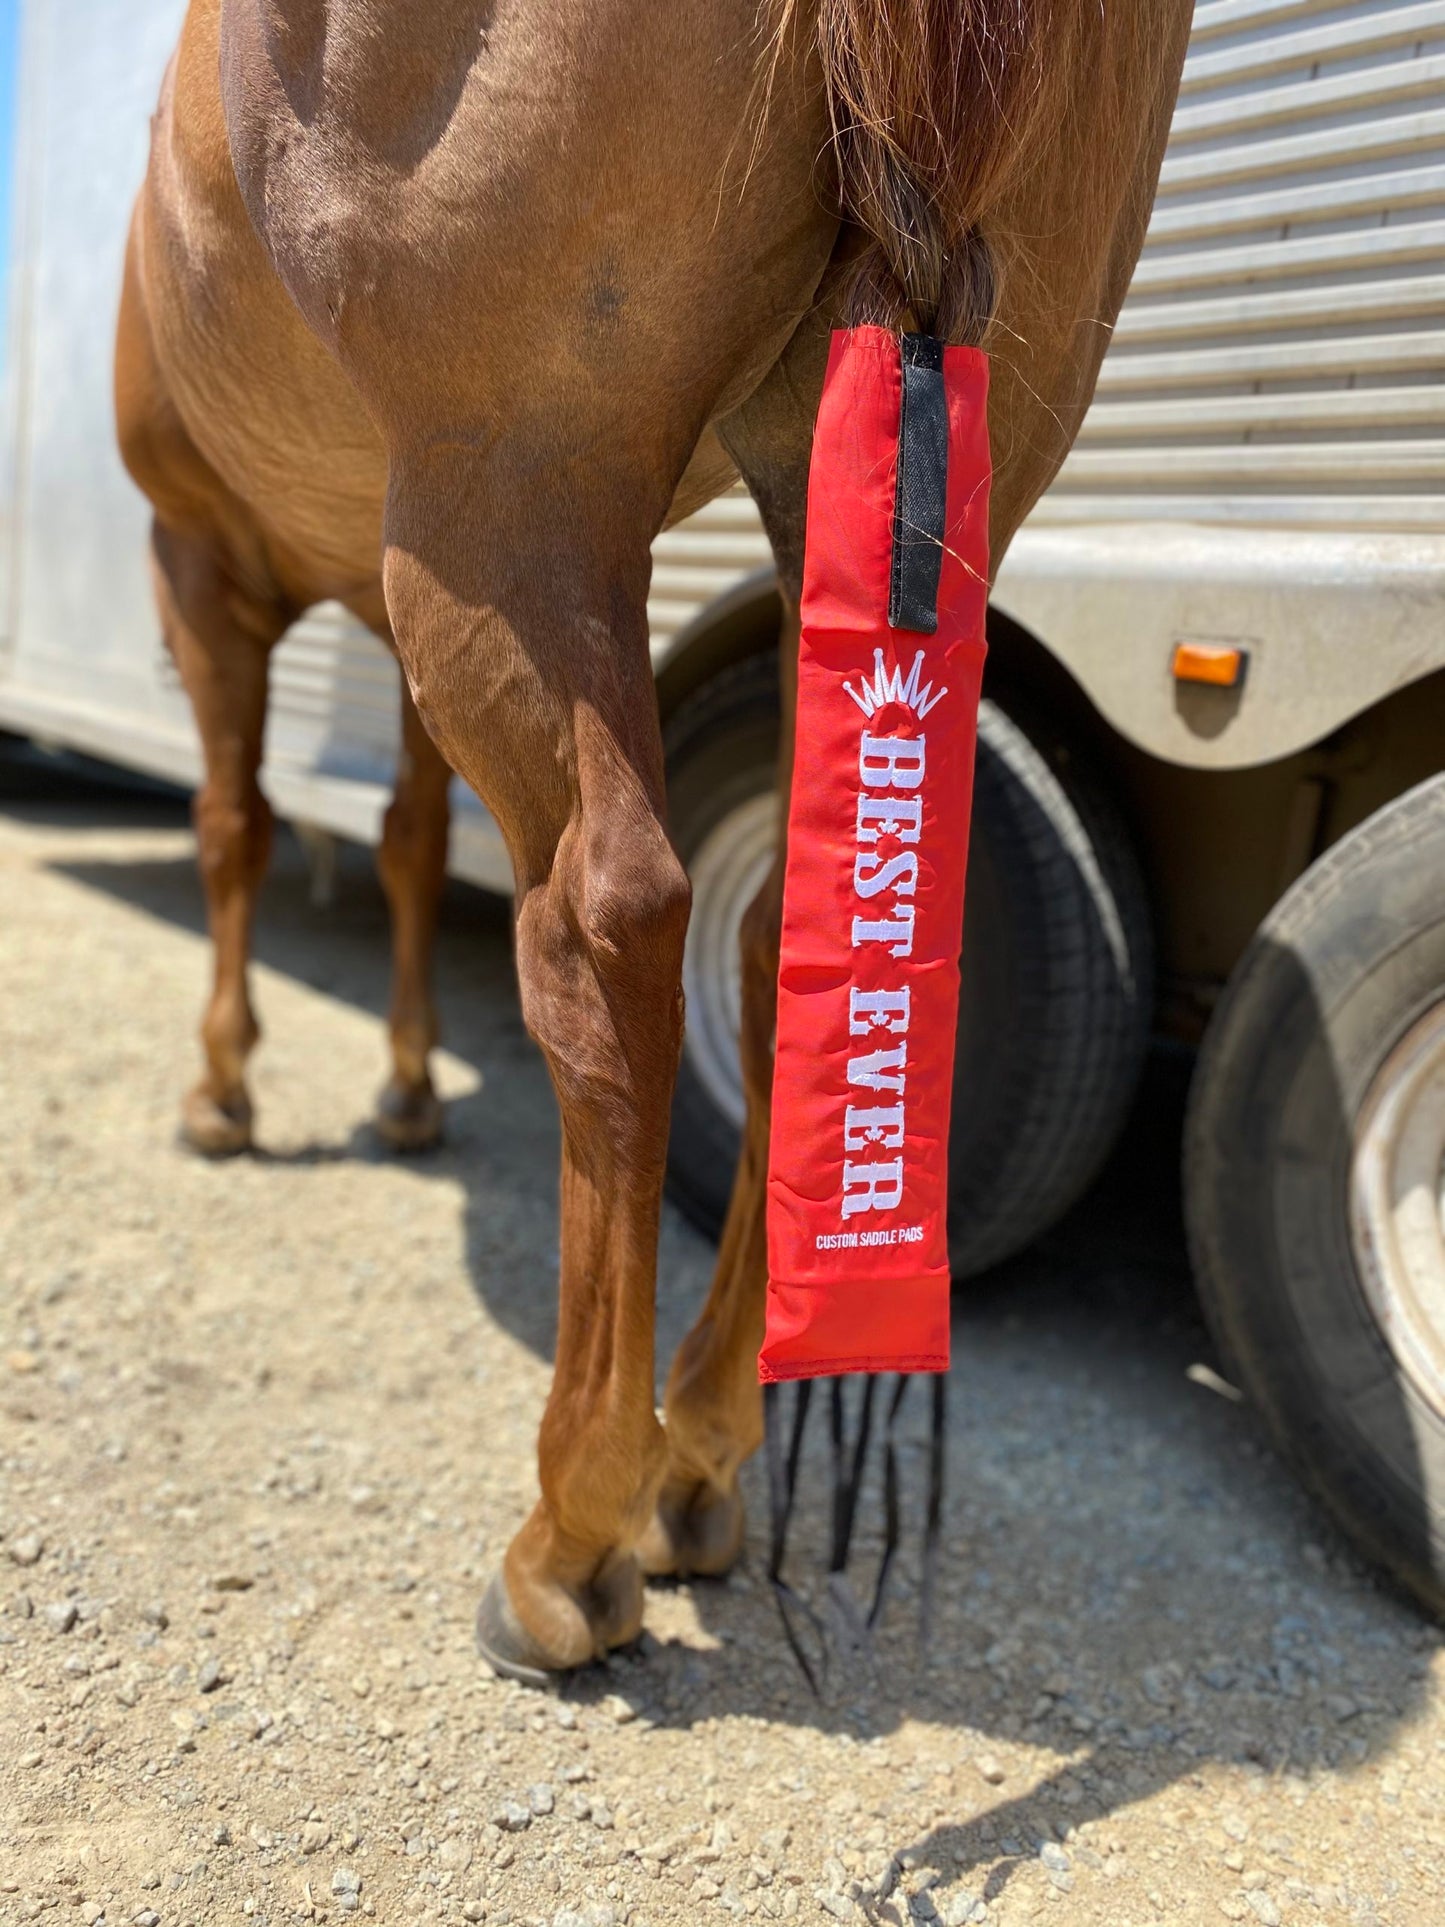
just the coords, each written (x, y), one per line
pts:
(1349, 963)
(1056, 976)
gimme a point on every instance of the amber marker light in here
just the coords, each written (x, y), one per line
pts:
(1220, 665)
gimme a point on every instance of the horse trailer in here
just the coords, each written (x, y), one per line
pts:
(1210, 802)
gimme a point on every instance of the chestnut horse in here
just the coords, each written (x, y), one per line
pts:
(445, 310)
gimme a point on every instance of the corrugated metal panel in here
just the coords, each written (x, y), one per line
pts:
(1387, 28)
(1215, 17)
(1242, 112)
(1383, 139)
(1394, 190)
(1281, 358)
(1348, 354)
(1309, 255)
(1286, 314)
(1281, 412)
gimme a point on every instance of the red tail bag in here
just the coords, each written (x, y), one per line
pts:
(895, 586)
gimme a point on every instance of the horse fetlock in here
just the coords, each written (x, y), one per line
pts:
(216, 1123)
(714, 1422)
(547, 1611)
(408, 1111)
(697, 1529)
(229, 1033)
(413, 1036)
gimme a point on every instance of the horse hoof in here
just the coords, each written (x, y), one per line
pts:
(216, 1128)
(696, 1532)
(505, 1644)
(409, 1116)
(571, 1630)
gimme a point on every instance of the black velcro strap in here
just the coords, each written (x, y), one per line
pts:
(918, 508)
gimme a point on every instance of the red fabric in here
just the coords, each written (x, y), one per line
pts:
(858, 1172)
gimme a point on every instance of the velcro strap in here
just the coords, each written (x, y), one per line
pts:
(922, 496)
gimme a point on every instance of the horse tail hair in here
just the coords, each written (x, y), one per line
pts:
(931, 104)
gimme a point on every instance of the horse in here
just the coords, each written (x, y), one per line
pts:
(444, 311)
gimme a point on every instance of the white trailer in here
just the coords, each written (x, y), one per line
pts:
(1210, 760)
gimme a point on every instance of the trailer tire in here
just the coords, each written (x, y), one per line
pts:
(1056, 979)
(1313, 1159)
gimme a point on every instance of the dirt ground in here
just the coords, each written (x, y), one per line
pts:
(266, 1427)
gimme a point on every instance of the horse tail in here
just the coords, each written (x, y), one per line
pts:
(932, 103)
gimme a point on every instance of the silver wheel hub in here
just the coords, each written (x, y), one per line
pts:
(727, 872)
(1397, 1203)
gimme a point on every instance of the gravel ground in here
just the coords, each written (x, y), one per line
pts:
(266, 1427)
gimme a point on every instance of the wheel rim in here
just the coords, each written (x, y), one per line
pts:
(727, 871)
(1397, 1203)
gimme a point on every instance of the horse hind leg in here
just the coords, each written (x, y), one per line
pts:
(412, 862)
(221, 637)
(537, 684)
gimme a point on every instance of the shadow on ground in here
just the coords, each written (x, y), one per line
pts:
(1132, 1587)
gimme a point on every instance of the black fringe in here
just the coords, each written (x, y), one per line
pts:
(846, 1630)
(782, 1489)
